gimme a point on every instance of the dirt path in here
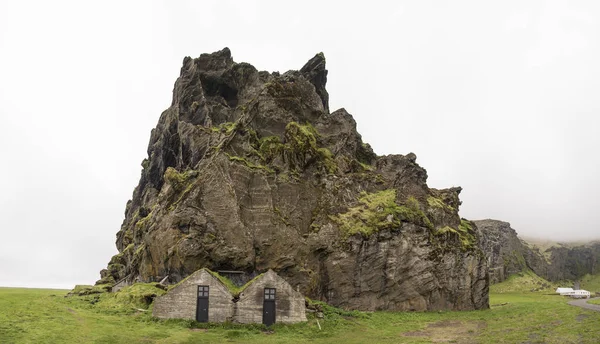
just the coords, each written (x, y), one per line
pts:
(583, 304)
(450, 331)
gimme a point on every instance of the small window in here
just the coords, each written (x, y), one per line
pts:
(269, 293)
(202, 291)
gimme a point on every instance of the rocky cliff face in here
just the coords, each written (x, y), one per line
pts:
(571, 262)
(249, 170)
(508, 254)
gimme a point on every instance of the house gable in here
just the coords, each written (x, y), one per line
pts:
(290, 304)
(180, 301)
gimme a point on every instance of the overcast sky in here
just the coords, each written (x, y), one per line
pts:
(501, 98)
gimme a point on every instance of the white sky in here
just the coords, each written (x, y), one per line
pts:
(500, 98)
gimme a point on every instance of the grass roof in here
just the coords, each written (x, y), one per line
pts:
(233, 289)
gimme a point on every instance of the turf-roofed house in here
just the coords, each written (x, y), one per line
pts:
(207, 296)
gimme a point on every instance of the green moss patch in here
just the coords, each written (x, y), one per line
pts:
(138, 252)
(107, 279)
(116, 259)
(301, 146)
(228, 127)
(178, 179)
(137, 295)
(233, 289)
(435, 202)
(411, 212)
(326, 159)
(269, 147)
(298, 149)
(378, 211)
(250, 164)
(143, 221)
(464, 232)
(301, 138)
(129, 247)
(81, 290)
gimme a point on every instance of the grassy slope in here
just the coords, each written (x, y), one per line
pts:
(590, 283)
(524, 282)
(517, 315)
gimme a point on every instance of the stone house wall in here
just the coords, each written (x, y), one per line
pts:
(180, 302)
(290, 304)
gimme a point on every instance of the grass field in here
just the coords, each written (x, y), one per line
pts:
(517, 315)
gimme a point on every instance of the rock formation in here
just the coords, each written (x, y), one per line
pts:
(508, 254)
(572, 261)
(248, 170)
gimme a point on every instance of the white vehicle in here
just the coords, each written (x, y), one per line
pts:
(564, 291)
(580, 294)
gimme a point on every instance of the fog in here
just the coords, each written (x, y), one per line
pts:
(500, 98)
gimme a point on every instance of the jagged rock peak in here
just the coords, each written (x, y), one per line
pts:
(315, 71)
(215, 61)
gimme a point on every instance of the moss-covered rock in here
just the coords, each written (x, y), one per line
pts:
(250, 164)
(179, 180)
(81, 290)
(137, 295)
(464, 233)
(374, 212)
(412, 212)
(300, 148)
(250, 171)
(379, 210)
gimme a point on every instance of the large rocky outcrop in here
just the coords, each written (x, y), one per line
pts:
(508, 254)
(248, 170)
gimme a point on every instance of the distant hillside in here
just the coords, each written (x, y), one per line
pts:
(526, 281)
(590, 283)
(555, 261)
(544, 245)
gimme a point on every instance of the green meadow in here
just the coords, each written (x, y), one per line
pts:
(517, 315)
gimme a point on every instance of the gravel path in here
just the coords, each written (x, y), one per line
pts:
(583, 304)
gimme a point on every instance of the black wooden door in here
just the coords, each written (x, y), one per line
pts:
(269, 307)
(202, 304)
